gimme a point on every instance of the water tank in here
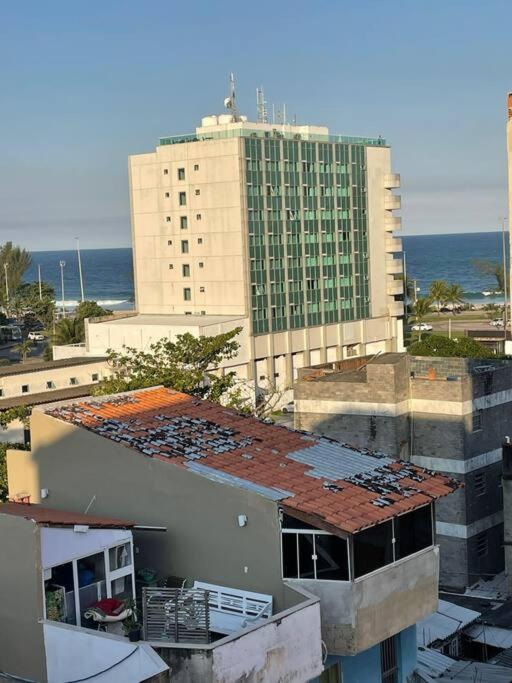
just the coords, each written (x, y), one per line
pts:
(209, 121)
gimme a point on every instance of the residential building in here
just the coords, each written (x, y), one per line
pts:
(55, 565)
(258, 508)
(449, 415)
(283, 230)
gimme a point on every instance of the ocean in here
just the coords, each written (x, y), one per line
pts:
(108, 273)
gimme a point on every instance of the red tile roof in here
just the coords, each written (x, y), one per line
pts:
(213, 440)
(47, 516)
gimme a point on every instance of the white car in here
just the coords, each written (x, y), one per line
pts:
(289, 407)
(36, 336)
(497, 323)
(422, 327)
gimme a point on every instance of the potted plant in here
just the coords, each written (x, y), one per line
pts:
(131, 627)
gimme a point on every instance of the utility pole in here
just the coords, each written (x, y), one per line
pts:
(40, 287)
(505, 277)
(80, 269)
(415, 292)
(62, 264)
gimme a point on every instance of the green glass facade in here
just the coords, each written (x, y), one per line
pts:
(308, 232)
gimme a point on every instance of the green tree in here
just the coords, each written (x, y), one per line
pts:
(68, 331)
(30, 301)
(437, 345)
(23, 348)
(90, 309)
(438, 292)
(493, 269)
(454, 295)
(17, 261)
(421, 310)
(189, 365)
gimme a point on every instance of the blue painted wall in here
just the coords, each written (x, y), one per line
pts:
(365, 667)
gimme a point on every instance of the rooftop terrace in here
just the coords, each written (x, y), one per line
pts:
(337, 487)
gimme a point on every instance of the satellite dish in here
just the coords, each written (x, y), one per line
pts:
(228, 103)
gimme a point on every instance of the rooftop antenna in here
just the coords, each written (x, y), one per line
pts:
(262, 114)
(229, 102)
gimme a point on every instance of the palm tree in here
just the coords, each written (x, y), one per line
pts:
(420, 310)
(454, 295)
(23, 348)
(492, 268)
(17, 261)
(68, 331)
(437, 293)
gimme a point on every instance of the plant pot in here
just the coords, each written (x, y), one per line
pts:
(134, 635)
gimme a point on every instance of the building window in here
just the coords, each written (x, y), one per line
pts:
(1, 392)
(167, 195)
(171, 266)
(168, 219)
(477, 421)
(50, 384)
(199, 240)
(197, 193)
(169, 243)
(183, 222)
(73, 381)
(201, 264)
(182, 198)
(201, 289)
(388, 661)
(187, 294)
(184, 246)
(198, 216)
(203, 312)
(332, 674)
(482, 546)
(196, 167)
(188, 312)
(166, 171)
(24, 388)
(181, 174)
(185, 270)
(95, 376)
(480, 483)
(309, 553)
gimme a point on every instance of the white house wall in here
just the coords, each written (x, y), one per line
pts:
(63, 545)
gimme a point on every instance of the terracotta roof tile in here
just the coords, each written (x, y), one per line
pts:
(185, 431)
(47, 516)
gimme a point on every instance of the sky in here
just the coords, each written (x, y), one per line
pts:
(84, 84)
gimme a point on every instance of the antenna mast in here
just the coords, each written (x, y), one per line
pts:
(230, 102)
(262, 114)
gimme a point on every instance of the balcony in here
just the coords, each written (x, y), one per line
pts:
(392, 223)
(184, 634)
(393, 245)
(394, 287)
(392, 181)
(396, 309)
(392, 202)
(359, 614)
(394, 266)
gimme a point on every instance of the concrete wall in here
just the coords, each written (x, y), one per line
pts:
(201, 516)
(358, 615)
(21, 600)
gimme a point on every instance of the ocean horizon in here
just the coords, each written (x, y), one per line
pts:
(108, 273)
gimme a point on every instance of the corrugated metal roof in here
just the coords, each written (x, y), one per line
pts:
(447, 620)
(490, 635)
(477, 672)
(503, 658)
(231, 480)
(433, 662)
(336, 461)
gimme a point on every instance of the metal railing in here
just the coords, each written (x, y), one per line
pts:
(176, 615)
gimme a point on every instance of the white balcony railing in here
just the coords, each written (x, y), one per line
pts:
(396, 309)
(392, 223)
(392, 181)
(393, 245)
(394, 287)
(394, 266)
(392, 201)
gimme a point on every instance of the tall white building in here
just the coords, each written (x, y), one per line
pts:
(284, 230)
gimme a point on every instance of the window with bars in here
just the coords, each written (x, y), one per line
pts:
(389, 660)
(482, 545)
(480, 483)
(477, 421)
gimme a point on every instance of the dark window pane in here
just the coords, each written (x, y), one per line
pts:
(290, 570)
(331, 558)
(373, 548)
(306, 565)
(413, 532)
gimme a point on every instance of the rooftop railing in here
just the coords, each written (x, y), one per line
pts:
(274, 134)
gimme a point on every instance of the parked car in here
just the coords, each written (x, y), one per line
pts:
(36, 336)
(498, 322)
(289, 407)
(422, 327)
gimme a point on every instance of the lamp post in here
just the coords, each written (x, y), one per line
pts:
(62, 264)
(80, 269)
(6, 285)
(505, 278)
